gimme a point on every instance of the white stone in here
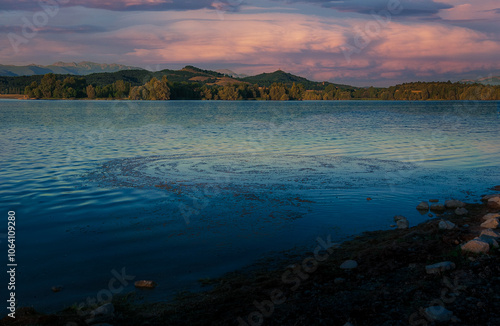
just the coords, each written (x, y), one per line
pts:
(349, 264)
(461, 211)
(476, 246)
(439, 267)
(490, 233)
(454, 203)
(446, 225)
(492, 223)
(423, 206)
(438, 313)
(490, 216)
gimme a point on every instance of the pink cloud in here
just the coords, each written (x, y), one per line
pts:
(307, 45)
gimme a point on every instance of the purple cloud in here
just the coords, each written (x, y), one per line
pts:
(409, 8)
(124, 5)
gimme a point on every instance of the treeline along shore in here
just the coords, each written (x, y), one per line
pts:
(191, 83)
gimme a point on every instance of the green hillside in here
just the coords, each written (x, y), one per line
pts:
(279, 76)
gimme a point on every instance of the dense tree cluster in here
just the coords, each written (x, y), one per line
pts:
(157, 86)
(50, 87)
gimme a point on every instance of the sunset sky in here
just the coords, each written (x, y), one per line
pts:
(357, 42)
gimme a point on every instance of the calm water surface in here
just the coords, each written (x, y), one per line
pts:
(179, 191)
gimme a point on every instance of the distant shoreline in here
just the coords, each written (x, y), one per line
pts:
(22, 97)
(13, 97)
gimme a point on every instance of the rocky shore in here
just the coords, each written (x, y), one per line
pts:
(445, 271)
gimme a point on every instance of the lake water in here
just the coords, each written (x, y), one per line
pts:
(179, 191)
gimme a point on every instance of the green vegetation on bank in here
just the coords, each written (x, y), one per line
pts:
(191, 83)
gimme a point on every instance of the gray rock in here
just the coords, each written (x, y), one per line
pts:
(348, 324)
(494, 203)
(487, 197)
(446, 225)
(438, 313)
(454, 203)
(492, 223)
(476, 246)
(461, 211)
(439, 267)
(489, 240)
(103, 313)
(490, 216)
(423, 206)
(349, 264)
(339, 280)
(402, 222)
(437, 208)
(490, 233)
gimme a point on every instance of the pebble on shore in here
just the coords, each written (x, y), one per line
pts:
(437, 208)
(490, 216)
(489, 240)
(476, 246)
(56, 289)
(454, 204)
(439, 267)
(349, 264)
(402, 222)
(492, 223)
(145, 284)
(494, 203)
(438, 313)
(446, 225)
(423, 206)
(490, 233)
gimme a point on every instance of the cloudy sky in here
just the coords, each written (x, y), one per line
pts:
(358, 42)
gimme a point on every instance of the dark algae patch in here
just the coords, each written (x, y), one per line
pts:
(389, 286)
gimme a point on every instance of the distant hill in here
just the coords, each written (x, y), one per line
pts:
(188, 74)
(231, 73)
(493, 81)
(279, 76)
(62, 68)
